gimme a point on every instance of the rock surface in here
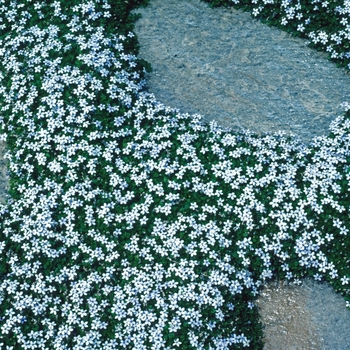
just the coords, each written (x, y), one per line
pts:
(227, 66)
(306, 317)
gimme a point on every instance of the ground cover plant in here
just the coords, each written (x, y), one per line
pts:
(130, 226)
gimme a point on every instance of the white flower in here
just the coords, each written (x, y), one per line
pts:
(345, 280)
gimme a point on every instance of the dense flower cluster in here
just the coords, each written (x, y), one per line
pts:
(130, 226)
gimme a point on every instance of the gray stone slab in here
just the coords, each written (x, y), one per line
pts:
(228, 67)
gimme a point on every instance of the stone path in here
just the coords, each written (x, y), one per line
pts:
(225, 65)
(228, 67)
(306, 317)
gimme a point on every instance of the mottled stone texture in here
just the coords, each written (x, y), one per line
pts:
(227, 66)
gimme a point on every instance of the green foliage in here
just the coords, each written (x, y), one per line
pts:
(132, 215)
